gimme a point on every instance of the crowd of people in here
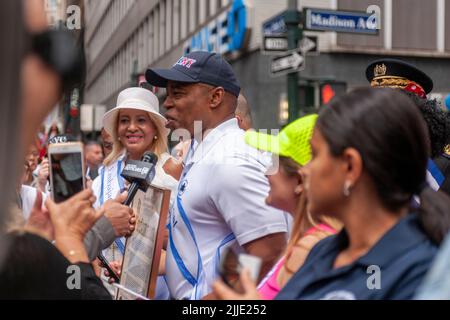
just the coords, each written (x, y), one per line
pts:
(350, 203)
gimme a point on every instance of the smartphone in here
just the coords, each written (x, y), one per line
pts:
(111, 272)
(232, 264)
(67, 176)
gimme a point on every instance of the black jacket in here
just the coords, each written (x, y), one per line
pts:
(33, 269)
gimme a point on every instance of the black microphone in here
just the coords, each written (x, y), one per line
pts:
(139, 174)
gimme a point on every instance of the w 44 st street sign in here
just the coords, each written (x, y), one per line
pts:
(275, 44)
(287, 63)
(279, 44)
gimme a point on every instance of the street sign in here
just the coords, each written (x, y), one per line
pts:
(275, 44)
(279, 44)
(274, 33)
(340, 21)
(275, 40)
(275, 25)
(290, 62)
(309, 45)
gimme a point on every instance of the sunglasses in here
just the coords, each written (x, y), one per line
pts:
(59, 50)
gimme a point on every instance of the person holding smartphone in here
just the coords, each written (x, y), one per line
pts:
(118, 220)
(31, 267)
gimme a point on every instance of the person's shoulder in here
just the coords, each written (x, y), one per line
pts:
(423, 252)
(112, 163)
(410, 270)
(419, 248)
(233, 146)
(319, 247)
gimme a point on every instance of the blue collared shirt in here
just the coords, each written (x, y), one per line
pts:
(392, 269)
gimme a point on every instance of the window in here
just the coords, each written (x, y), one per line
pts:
(176, 21)
(193, 14)
(156, 34)
(169, 24)
(407, 33)
(162, 28)
(350, 40)
(202, 11)
(184, 21)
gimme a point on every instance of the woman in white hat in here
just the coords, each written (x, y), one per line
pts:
(136, 126)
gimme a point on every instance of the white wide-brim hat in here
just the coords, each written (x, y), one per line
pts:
(137, 99)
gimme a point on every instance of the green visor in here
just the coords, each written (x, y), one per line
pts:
(292, 142)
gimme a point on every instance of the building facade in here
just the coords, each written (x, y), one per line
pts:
(125, 37)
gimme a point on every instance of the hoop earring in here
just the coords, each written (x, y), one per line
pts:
(347, 187)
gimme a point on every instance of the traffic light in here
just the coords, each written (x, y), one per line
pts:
(327, 93)
(331, 89)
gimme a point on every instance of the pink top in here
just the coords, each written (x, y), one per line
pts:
(269, 288)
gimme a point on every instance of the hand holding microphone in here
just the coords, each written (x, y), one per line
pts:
(139, 174)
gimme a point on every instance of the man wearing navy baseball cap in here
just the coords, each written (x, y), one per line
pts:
(222, 190)
(197, 75)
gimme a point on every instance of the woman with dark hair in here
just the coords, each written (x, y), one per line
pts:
(370, 152)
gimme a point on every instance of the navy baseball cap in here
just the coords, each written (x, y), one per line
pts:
(197, 67)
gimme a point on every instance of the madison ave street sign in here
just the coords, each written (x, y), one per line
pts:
(340, 21)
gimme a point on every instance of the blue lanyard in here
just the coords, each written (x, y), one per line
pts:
(177, 257)
(179, 261)
(120, 242)
(120, 181)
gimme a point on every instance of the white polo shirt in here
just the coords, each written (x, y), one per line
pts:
(220, 203)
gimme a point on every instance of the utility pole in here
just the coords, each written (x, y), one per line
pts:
(294, 35)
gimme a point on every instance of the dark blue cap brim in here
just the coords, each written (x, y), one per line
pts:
(160, 77)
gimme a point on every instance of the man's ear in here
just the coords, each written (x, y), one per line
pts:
(217, 96)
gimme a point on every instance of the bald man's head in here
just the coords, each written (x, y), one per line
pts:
(243, 113)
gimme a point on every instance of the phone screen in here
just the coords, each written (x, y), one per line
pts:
(67, 175)
(232, 264)
(230, 268)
